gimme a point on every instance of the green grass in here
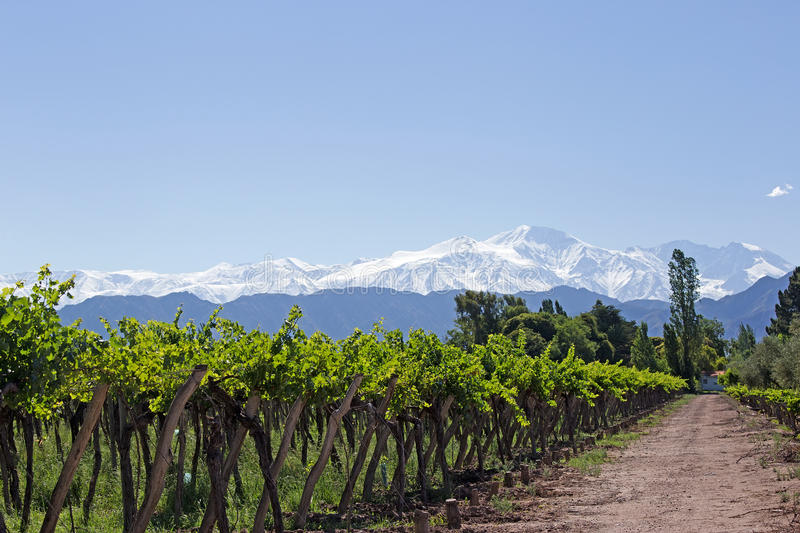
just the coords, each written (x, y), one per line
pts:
(589, 462)
(106, 510)
(619, 440)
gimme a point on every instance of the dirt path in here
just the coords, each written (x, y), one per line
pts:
(706, 467)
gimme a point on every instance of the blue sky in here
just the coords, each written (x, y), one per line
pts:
(175, 135)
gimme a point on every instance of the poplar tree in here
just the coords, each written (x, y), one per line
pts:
(685, 284)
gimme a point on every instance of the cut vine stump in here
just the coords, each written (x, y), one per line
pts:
(453, 516)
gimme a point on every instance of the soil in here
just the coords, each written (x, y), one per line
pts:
(711, 465)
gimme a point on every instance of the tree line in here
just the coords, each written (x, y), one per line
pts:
(691, 343)
(775, 361)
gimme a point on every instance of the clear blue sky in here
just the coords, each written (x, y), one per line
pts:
(175, 135)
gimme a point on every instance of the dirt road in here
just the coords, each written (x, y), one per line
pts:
(706, 467)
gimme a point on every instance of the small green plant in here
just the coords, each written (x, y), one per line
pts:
(531, 488)
(439, 520)
(502, 505)
(387, 523)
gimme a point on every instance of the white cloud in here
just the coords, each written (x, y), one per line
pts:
(780, 191)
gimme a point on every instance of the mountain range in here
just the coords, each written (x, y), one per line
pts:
(337, 313)
(525, 259)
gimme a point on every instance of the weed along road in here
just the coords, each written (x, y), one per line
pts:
(709, 465)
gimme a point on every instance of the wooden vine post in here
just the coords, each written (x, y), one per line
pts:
(453, 516)
(524, 474)
(158, 472)
(91, 416)
(325, 452)
(250, 411)
(361, 456)
(290, 423)
(421, 521)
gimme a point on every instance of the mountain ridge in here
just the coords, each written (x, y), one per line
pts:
(524, 259)
(337, 313)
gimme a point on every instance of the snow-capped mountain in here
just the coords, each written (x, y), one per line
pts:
(524, 259)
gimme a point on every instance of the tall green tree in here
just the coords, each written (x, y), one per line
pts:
(643, 353)
(512, 306)
(745, 342)
(572, 332)
(788, 306)
(672, 350)
(685, 284)
(543, 324)
(480, 314)
(604, 350)
(620, 332)
(713, 333)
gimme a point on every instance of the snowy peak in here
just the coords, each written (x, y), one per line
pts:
(527, 258)
(533, 234)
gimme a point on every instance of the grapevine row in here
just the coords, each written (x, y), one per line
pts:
(782, 404)
(149, 390)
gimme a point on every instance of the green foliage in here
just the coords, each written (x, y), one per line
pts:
(713, 333)
(787, 308)
(684, 284)
(744, 343)
(40, 359)
(482, 314)
(534, 344)
(541, 324)
(672, 351)
(502, 505)
(786, 399)
(643, 353)
(603, 349)
(619, 332)
(478, 316)
(513, 306)
(775, 362)
(53, 368)
(589, 463)
(572, 332)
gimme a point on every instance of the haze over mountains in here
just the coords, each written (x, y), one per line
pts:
(525, 259)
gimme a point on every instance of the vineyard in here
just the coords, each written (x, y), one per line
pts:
(209, 425)
(781, 404)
